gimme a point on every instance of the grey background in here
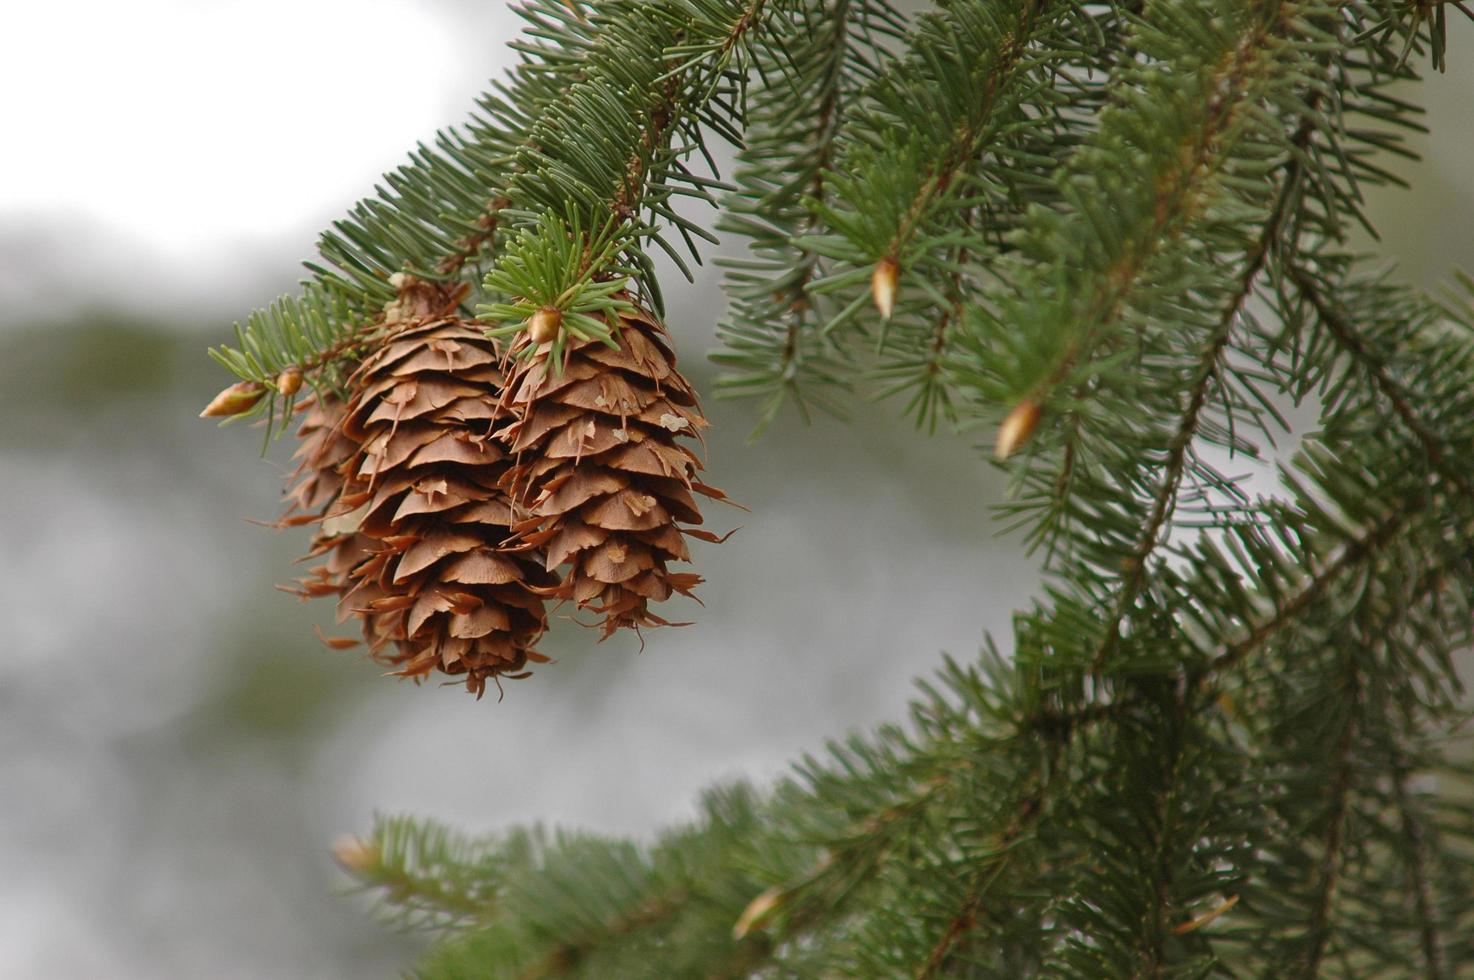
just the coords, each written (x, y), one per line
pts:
(176, 750)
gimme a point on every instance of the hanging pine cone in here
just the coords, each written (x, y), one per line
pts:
(416, 536)
(321, 456)
(600, 471)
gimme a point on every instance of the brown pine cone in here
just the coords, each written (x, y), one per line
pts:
(601, 472)
(417, 537)
(319, 479)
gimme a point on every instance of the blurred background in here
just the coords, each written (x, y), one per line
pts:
(177, 751)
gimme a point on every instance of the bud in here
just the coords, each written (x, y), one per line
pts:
(355, 854)
(1017, 428)
(543, 325)
(883, 285)
(756, 915)
(1194, 924)
(234, 400)
(289, 382)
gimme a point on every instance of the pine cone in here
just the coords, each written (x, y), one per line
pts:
(601, 473)
(416, 538)
(319, 480)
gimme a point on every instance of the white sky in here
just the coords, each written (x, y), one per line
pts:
(200, 136)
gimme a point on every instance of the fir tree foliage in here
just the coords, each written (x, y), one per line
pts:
(596, 123)
(1225, 739)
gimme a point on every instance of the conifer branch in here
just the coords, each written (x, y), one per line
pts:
(1131, 216)
(967, 87)
(1339, 325)
(932, 398)
(473, 246)
(1180, 190)
(1430, 940)
(564, 957)
(771, 343)
(1353, 554)
(1027, 810)
(438, 216)
(1165, 499)
(1151, 954)
(428, 876)
(606, 150)
(965, 144)
(1333, 840)
(1091, 251)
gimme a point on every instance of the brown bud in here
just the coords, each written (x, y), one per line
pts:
(757, 913)
(289, 382)
(883, 285)
(1017, 428)
(543, 325)
(1196, 923)
(356, 854)
(234, 400)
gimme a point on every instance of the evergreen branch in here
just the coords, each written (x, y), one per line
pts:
(1165, 499)
(473, 245)
(607, 149)
(1351, 555)
(1152, 952)
(968, 133)
(1179, 187)
(932, 398)
(1126, 268)
(1430, 942)
(772, 348)
(1339, 325)
(1028, 810)
(428, 876)
(1179, 721)
(562, 958)
(1333, 840)
(966, 90)
(438, 216)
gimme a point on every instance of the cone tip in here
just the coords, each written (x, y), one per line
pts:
(1017, 428)
(883, 285)
(757, 913)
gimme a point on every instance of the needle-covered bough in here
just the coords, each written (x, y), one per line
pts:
(1227, 739)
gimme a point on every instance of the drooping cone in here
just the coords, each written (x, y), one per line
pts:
(603, 471)
(323, 453)
(416, 537)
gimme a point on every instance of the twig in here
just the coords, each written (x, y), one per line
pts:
(1338, 324)
(1430, 941)
(1335, 833)
(1166, 497)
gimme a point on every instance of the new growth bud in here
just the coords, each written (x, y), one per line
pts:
(543, 325)
(289, 382)
(1017, 428)
(356, 854)
(234, 400)
(757, 913)
(883, 285)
